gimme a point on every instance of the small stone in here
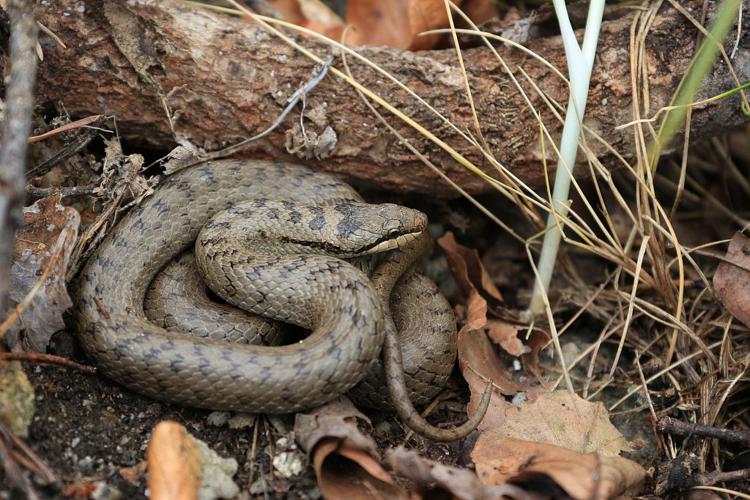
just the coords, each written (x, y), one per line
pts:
(85, 464)
(259, 487)
(288, 463)
(74, 442)
(570, 351)
(520, 397)
(242, 420)
(383, 428)
(216, 473)
(104, 491)
(217, 418)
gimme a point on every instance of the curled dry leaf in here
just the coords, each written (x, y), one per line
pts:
(345, 460)
(37, 281)
(506, 336)
(134, 474)
(391, 23)
(566, 420)
(435, 480)
(182, 467)
(174, 470)
(468, 270)
(500, 459)
(732, 278)
(479, 363)
(482, 296)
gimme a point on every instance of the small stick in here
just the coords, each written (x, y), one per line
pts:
(43, 472)
(680, 428)
(711, 478)
(319, 72)
(19, 104)
(45, 359)
(64, 191)
(13, 473)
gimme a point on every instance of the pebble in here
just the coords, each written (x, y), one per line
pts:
(217, 418)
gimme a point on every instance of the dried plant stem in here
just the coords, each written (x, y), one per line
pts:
(580, 63)
(19, 103)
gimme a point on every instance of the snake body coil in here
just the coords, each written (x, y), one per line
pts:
(326, 294)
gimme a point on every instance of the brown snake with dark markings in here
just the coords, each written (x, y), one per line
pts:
(344, 308)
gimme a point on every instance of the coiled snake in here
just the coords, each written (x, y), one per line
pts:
(295, 276)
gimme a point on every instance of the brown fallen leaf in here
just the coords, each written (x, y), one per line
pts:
(79, 490)
(174, 470)
(395, 23)
(564, 419)
(479, 363)
(538, 340)
(390, 23)
(346, 461)
(500, 459)
(732, 278)
(468, 270)
(435, 480)
(476, 355)
(312, 14)
(506, 336)
(134, 474)
(38, 290)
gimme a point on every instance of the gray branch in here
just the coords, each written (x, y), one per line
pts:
(19, 104)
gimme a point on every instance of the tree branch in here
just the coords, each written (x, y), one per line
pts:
(170, 72)
(19, 104)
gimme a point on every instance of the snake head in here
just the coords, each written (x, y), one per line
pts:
(363, 229)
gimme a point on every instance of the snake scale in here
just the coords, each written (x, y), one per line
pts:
(314, 289)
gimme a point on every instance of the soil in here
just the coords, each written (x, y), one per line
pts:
(90, 430)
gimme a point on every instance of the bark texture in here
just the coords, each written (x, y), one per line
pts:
(170, 72)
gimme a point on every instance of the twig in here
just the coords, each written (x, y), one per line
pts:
(39, 192)
(64, 128)
(46, 359)
(19, 100)
(13, 473)
(31, 460)
(77, 144)
(711, 478)
(319, 72)
(680, 428)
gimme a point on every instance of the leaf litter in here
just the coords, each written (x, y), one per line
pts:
(541, 435)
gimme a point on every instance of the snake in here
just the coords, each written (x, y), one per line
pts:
(307, 284)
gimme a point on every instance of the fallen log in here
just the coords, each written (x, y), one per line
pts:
(171, 73)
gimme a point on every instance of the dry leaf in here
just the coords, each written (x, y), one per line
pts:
(538, 339)
(345, 460)
(174, 470)
(479, 363)
(506, 336)
(732, 278)
(79, 490)
(500, 459)
(37, 281)
(566, 420)
(435, 480)
(134, 474)
(476, 355)
(468, 269)
(395, 23)
(390, 23)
